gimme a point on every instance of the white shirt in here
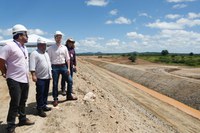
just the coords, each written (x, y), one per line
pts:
(40, 63)
(16, 57)
(58, 54)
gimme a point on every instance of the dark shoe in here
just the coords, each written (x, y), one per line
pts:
(11, 130)
(64, 93)
(71, 97)
(47, 108)
(26, 122)
(72, 92)
(55, 103)
(41, 113)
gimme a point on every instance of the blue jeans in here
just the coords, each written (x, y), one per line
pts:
(63, 84)
(42, 90)
(56, 71)
(19, 95)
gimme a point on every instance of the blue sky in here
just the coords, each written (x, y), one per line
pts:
(109, 25)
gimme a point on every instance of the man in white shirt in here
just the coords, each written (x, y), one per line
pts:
(40, 68)
(59, 55)
(14, 67)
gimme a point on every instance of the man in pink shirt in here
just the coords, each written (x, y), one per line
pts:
(14, 67)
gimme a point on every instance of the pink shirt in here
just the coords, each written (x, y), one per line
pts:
(16, 58)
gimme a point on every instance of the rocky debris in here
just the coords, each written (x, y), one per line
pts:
(90, 96)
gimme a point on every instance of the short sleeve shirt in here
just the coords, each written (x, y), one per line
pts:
(40, 64)
(16, 59)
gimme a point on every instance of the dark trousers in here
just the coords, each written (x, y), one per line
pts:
(56, 71)
(63, 83)
(18, 94)
(42, 90)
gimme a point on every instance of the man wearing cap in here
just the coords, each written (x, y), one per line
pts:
(70, 44)
(40, 68)
(59, 55)
(14, 67)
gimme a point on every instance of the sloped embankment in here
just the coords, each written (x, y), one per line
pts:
(181, 89)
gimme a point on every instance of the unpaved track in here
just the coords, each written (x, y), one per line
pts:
(119, 107)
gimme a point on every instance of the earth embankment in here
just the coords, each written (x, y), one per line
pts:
(185, 90)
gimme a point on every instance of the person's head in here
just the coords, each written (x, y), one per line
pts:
(70, 43)
(41, 44)
(20, 33)
(58, 36)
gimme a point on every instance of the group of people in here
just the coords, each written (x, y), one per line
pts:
(44, 65)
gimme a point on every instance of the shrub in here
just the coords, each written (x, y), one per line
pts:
(100, 56)
(191, 54)
(164, 52)
(132, 57)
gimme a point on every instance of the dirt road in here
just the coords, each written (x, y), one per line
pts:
(118, 107)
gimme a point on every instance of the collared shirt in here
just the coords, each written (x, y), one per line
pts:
(16, 58)
(58, 54)
(40, 64)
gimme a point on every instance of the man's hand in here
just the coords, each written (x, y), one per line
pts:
(34, 78)
(75, 69)
(4, 75)
(68, 71)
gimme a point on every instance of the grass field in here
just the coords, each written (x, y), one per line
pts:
(173, 59)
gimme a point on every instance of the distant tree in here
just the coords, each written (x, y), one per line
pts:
(191, 54)
(123, 55)
(133, 57)
(164, 52)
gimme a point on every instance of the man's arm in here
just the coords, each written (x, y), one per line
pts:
(67, 58)
(32, 66)
(68, 66)
(34, 78)
(3, 67)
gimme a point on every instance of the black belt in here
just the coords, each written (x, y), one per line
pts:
(59, 64)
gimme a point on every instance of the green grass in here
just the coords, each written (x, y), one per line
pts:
(173, 59)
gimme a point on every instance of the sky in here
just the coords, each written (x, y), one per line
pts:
(111, 26)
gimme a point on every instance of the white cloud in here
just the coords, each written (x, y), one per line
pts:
(99, 44)
(178, 24)
(36, 31)
(172, 40)
(120, 20)
(1, 38)
(97, 2)
(135, 35)
(192, 15)
(188, 22)
(144, 14)
(165, 25)
(113, 12)
(6, 32)
(178, 1)
(91, 41)
(113, 42)
(173, 16)
(109, 22)
(179, 6)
